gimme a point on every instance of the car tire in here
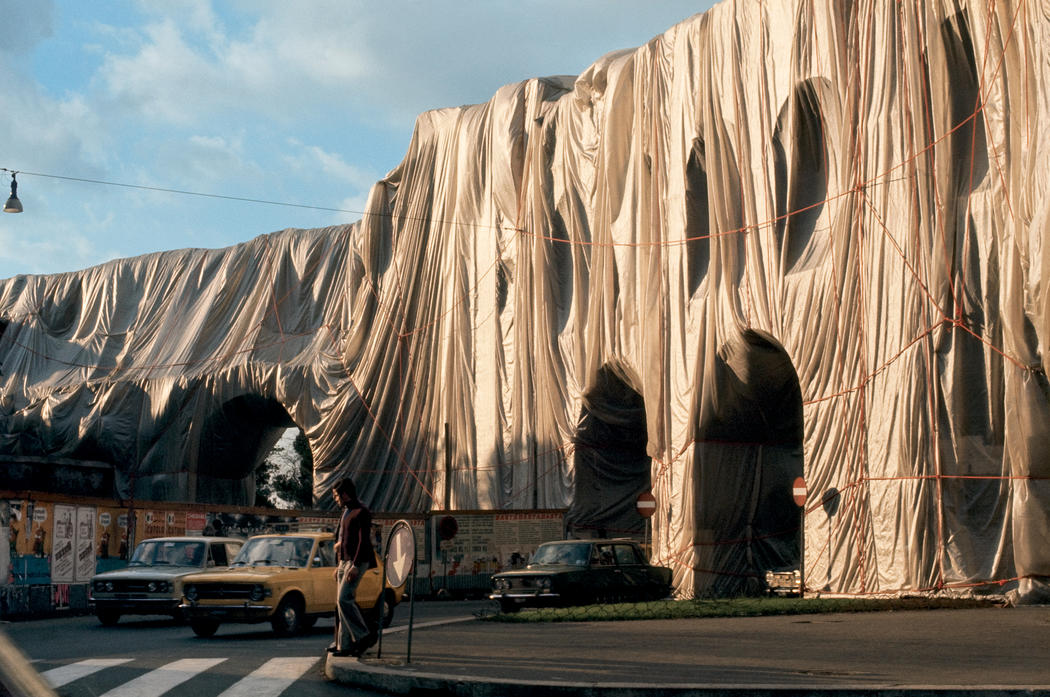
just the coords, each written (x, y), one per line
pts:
(205, 627)
(288, 619)
(508, 607)
(108, 618)
(389, 603)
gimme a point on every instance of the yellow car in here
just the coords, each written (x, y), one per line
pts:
(287, 580)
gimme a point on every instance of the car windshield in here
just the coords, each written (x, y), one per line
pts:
(275, 551)
(571, 553)
(169, 553)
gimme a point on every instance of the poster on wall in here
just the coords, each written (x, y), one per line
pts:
(489, 542)
(153, 524)
(84, 544)
(28, 532)
(63, 530)
(195, 522)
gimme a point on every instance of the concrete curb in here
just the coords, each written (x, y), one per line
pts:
(397, 677)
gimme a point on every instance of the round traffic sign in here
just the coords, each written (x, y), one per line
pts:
(646, 504)
(400, 553)
(798, 491)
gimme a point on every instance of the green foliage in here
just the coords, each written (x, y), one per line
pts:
(286, 480)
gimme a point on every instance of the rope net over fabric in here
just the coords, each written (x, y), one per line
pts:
(787, 238)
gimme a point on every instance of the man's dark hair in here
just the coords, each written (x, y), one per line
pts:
(346, 488)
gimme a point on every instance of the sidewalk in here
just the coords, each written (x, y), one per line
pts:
(942, 652)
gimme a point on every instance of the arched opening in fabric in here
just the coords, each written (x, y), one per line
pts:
(612, 466)
(969, 148)
(748, 452)
(234, 440)
(697, 223)
(560, 253)
(801, 171)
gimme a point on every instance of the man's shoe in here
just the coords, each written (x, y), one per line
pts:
(331, 648)
(342, 653)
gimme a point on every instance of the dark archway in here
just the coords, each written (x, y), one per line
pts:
(233, 441)
(748, 453)
(697, 217)
(802, 169)
(612, 466)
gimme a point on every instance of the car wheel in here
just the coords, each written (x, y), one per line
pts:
(508, 606)
(288, 618)
(389, 603)
(108, 617)
(204, 628)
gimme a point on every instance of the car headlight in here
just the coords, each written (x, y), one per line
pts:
(151, 587)
(108, 586)
(545, 584)
(501, 584)
(190, 591)
(258, 593)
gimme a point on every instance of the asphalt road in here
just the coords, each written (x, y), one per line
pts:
(149, 656)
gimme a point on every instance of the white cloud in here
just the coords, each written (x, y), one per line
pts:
(387, 60)
(167, 79)
(307, 158)
(183, 70)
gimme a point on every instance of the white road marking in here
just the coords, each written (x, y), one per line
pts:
(419, 625)
(159, 681)
(271, 678)
(63, 675)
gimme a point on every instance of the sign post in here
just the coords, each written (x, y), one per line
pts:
(399, 562)
(646, 506)
(798, 492)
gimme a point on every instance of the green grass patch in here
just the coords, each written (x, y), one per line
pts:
(729, 607)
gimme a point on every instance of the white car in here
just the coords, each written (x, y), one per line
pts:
(152, 582)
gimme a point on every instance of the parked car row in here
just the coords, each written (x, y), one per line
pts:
(582, 572)
(287, 580)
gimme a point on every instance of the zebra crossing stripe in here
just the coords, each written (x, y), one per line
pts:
(167, 677)
(63, 675)
(271, 678)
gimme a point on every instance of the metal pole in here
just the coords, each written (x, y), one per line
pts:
(382, 611)
(448, 470)
(802, 551)
(411, 609)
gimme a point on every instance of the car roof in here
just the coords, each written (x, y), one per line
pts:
(193, 538)
(311, 533)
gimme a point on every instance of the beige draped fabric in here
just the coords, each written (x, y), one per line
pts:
(783, 239)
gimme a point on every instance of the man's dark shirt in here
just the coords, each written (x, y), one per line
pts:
(355, 536)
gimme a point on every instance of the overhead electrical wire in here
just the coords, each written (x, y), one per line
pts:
(184, 192)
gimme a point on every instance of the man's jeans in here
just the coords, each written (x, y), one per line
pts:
(352, 625)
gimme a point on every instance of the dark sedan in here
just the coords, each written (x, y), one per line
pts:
(582, 572)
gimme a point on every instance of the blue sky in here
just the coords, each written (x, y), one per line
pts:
(308, 103)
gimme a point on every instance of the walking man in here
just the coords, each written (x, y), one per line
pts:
(355, 555)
